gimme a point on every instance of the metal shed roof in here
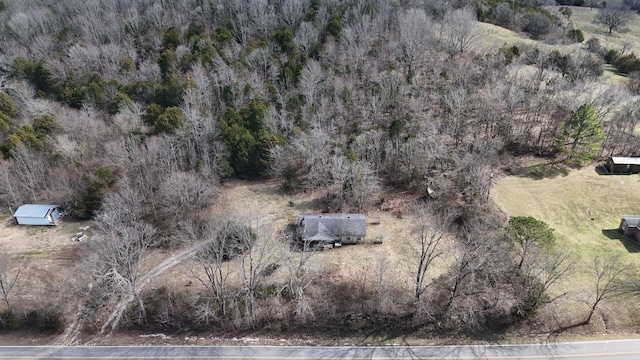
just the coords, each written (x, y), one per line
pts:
(625, 160)
(34, 210)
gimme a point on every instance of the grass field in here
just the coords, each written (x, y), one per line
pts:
(578, 204)
(583, 19)
(493, 37)
(584, 208)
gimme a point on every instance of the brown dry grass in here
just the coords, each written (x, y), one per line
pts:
(53, 254)
(584, 19)
(49, 275)
(493, 37)
(280, 209)
(31, 240)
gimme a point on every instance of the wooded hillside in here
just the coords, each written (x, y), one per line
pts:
(132, 112)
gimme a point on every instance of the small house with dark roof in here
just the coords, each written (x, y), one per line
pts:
(623, 165)
(37, 214)
(630, 226)
(332, 228)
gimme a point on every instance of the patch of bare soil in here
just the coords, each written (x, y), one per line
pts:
(33, 240)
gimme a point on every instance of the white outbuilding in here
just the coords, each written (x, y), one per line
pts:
(37, 214)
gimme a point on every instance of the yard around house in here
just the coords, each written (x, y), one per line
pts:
(267, 201)
(53, 256)
(584, 209)
(579, 205)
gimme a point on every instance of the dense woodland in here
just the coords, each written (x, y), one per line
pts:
(132, 112)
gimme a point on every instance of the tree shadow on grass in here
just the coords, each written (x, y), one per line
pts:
(547, 170)
(631, 245)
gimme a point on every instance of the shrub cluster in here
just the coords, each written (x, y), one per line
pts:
(41, 319)
(625, 63)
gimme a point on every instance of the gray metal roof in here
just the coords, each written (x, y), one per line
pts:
(625, 160)
(34, 210)
(327, 226)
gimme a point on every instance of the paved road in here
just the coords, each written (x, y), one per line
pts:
(618, 350)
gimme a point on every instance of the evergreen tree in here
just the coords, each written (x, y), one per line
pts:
(581, 135)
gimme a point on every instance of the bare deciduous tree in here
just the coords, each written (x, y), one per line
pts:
(301, 276)
(310, 82)
(385, 299)
(469, 259)
(291, 12)
(477, 286)
(428, 232)
(415, 36)
(456, 102)
(120, 249)
(9, 192)
(392, 91)
(262, 16)
(120, 207)
(211, 256)
(306, 37)
(186, 194)
(121, 254)
(263, 254)
(609, 271)
(11, 267)
(262, 62)
(613, 17)
(307, 153)
(461, 31)
(540, 271)
(26, 25)
(354, 187)
(30, 169)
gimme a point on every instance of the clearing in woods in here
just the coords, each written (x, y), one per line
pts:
(53, 256)
(267, 201)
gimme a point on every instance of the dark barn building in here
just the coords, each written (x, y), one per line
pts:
(630, 227)
(623, 165)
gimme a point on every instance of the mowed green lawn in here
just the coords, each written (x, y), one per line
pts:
(584, 208)
(579, 205)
